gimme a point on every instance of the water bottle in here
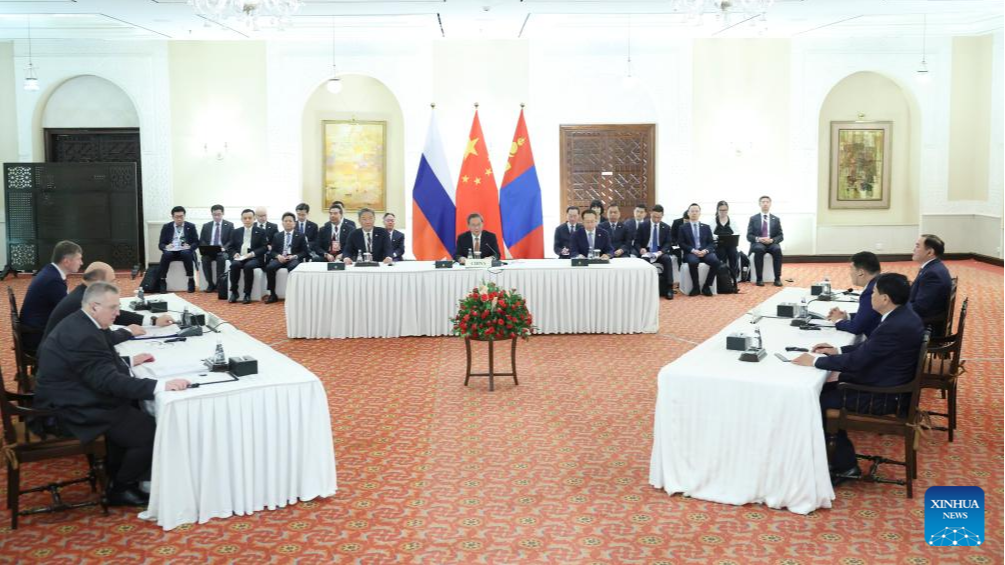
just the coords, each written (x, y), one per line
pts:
(826, 285)
(140, 295)
(218, 357)
(803, 308)
(185, 317)
(757, 332)
(471, 254)
(359, 256)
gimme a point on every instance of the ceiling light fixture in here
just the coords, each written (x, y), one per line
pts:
(30, 78)
(723, 9)
(334, 84)
(630, 80)
(253, 13)
(922, 75)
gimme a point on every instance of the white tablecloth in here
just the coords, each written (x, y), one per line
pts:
(414, 298)
(737, 432)
(264, 441)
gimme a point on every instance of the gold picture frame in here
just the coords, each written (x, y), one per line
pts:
(354, 164)
(860, 165)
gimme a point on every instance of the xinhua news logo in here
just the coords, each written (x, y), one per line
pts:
(954, 516)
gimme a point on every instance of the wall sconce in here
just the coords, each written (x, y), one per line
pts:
(216, 149)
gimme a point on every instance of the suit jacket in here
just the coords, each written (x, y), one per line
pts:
(631, 226)
(310, 230)
(675, 231)
(581, 245)
(259, 242)
(270, 228)
(81, 375)
(888, 358)
(489, 245)
(298, 245)
(930, 291)
(323, 243)
(397, 245)
(188, 232)
(685, 238)
(564, 239)
(774, 228)
(644, 236)
(381, 245)
(866, 319)
(46, 290)
(226, 229)
(73, 302)
(621, 237)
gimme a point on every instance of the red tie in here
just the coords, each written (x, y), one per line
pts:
(764, 227)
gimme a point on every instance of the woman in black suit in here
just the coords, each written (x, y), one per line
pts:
(723, 227)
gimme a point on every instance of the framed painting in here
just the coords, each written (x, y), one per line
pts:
(355, 164)
(860, 165)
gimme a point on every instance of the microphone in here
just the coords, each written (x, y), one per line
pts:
(756, 318)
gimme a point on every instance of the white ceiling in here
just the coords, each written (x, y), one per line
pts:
(498, 19)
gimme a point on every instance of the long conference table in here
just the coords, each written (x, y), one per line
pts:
(413, 298)
(259, 442)
(738, 432)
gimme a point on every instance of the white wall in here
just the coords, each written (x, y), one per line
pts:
(88, 101)
(562, 82)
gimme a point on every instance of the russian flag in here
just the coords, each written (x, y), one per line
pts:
(520, 199)
(433, 208)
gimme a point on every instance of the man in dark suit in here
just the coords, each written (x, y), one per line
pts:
(675, 227)
(639, 215)
(622, 239)
(652, 242)
(931, 288)
(216, 232)
(864, 270)
(133, 322)
(590, 238)
(333, 236)
(82, 377)
(888, 358)
(176, 242)
(563, 233)
(397, 238)
(247, 248)
(476, 242)
(367, 239)
(698, 246)
(262, 221)
(764, 232)
(289, 248)
(304, 226)
(47, 289)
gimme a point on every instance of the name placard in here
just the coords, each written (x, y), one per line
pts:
(477, 263)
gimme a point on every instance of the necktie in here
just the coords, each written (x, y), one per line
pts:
(369, 242)
(216, 234)
(764, 227)
(247, 242)
(478, 243)
(301, 228)
(697, 242)
(654, 242)
(286, 248)
(572, 228)
(335, 230)
(589, 236)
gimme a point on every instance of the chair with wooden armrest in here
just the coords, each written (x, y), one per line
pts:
(26, 362)
(21, 445)
(942, 368)
(902, 421)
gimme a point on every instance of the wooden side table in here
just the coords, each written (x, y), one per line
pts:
(492, 372)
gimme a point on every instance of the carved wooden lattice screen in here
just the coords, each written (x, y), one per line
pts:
(613, 163)
(92, 204)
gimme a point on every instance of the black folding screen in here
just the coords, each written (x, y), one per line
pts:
(93, 204)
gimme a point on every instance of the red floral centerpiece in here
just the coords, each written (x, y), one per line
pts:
(489, 313)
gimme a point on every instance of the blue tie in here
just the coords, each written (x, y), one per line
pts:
(697, 242)
(655, 240)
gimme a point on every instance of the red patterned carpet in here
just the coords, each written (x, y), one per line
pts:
(554, 470)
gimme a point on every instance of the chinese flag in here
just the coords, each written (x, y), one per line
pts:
(476, 188)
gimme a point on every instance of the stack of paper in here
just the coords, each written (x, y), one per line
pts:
(166, 369)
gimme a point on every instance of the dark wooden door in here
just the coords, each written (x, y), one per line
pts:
(100, 145)
(612, 163)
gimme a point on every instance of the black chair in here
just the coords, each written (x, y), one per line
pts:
(903, 421)
(943, 367)
(26, 362)
(21, 445)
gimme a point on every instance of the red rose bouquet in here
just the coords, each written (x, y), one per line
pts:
(488, 313)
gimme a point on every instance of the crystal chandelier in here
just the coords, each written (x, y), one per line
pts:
(723, 9)
(253, 13)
